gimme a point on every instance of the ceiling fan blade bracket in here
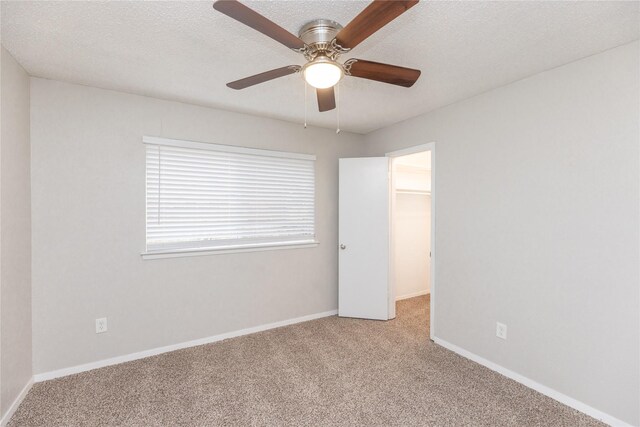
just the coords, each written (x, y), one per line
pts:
(304, 50)
(335, 46)
(347, 66)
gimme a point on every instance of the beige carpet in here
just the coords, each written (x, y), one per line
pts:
(330, 371)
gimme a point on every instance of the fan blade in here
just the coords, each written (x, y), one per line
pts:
(264, 77)
(385, 73)
(371, 19)
(326, 99)
(253, 19)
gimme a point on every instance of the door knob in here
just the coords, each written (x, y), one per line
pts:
(343, 247)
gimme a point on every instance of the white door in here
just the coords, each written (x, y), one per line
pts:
(363, 279)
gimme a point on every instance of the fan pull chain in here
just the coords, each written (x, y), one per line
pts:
(305, 104)
(337, 108)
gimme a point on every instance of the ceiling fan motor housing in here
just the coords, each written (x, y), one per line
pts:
(318, 36)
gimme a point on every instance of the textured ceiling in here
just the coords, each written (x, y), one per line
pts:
(186, 51)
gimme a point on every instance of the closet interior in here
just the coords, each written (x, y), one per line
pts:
(412, 224)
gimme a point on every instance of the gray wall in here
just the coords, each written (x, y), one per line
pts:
(537, 213)
(15, 232)
(88, 196)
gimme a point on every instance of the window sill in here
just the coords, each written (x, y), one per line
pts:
(178, 253)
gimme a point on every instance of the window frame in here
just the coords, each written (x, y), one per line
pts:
(234, 247)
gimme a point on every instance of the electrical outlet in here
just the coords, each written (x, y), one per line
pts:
(101, 325)
(501, 330)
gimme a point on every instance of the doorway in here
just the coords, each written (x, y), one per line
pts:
(366, 218)
(412, 225)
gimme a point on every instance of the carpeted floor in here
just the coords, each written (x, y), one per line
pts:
(332, 371)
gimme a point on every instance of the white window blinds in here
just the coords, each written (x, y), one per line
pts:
(206, 196)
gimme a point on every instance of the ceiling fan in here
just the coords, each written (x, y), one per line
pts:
(322, 41)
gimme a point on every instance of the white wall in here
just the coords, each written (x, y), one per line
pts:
(89, 230)
(412, 225)
(15, 232)
(537, 226)
(411, 238)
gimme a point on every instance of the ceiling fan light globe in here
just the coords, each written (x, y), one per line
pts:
(322, 75)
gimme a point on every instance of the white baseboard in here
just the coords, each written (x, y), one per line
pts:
(159, 350)
(415, 294)
(14, 406)
(547, 391)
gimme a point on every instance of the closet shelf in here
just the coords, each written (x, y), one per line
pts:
(407, 191)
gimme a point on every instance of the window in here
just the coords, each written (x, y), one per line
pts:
(211, 197)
